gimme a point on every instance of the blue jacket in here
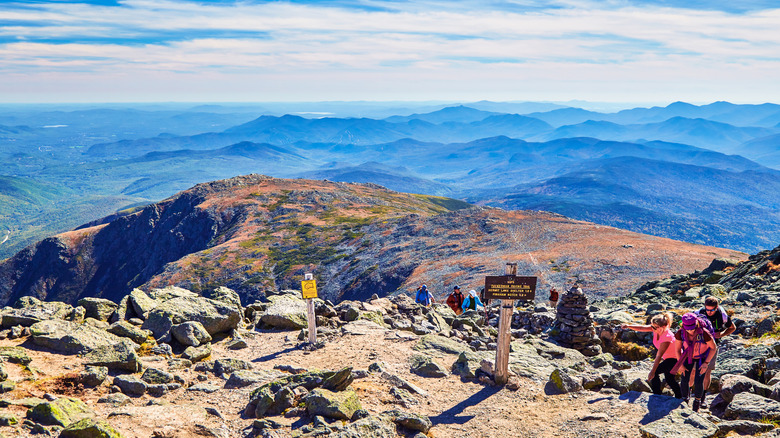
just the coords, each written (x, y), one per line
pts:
(467, 303)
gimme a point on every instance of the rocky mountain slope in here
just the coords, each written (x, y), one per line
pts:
(171, 363)
(256, 234)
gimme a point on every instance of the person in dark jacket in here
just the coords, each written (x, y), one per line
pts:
(723, 325)
(455, 300)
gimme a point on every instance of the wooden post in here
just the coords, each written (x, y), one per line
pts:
(310, 315)
(504, 336)
(312, 321)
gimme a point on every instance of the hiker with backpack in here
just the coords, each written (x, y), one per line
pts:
(424, 296)
(722, 326)
(697, 344)
(455, 300)
(472, 301)
(666, 356)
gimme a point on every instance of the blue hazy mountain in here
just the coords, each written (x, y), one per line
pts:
(109, 158)
(707, 206)
(704, 133)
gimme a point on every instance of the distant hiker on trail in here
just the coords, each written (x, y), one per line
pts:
(722, 326)
(455, 300)
(698, 349)
(424, 296)
(472, 301)
(553, 298)
(666, 357)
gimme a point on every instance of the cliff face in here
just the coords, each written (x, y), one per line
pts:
(256, 233)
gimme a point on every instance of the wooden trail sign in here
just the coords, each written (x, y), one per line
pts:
(510, 287)
(309, 292)
(507, 288)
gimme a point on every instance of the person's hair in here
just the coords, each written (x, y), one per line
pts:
(662, 320)
(711, 301)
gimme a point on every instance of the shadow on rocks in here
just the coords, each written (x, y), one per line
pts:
(450, 416)
(658, 406)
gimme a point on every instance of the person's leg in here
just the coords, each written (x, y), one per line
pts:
(708, 376)
(698, 387)
(655, 383)
(685, 387)
(665, 367)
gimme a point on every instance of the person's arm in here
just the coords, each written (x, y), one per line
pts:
(659, 357)
(637, 327)
(465, 304)
(730, 327)
(713, 350)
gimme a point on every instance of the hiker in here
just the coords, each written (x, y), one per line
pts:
(698, 349)
(424, 296)
(455, 300)
(722, 326)
(666, 357)
(553, 298)
(472, 301)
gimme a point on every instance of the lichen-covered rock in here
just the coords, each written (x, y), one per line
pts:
(93, 375)
(15, 355)
(425, 366)
(90, 428)
(32, 312)
(224, 367)
(215, 316)
(61, 412)
(130, 385)
(125, 329)
(680, 423)
(340, 380)
(119, 356)
(190, 333)
(154, 376)
(98, 308)
(285, 312)
(70, 338)
(409, 420)
(141, 303)
(338, 405)
(747, 406)
(197, 354)
(564, 382)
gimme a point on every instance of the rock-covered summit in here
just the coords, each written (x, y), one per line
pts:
(256, 234)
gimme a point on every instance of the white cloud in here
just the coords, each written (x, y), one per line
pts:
(585, 50)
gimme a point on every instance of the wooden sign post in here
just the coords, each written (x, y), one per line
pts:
(309, 293)
(507, 288)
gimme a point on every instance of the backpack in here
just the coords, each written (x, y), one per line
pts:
(723, 316)
(705, 324)
(422, 297)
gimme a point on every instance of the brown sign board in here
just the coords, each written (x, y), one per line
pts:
(510, 287)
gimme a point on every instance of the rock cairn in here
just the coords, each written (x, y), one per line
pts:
(574, 323)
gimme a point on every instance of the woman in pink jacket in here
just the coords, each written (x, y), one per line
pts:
(667, 355)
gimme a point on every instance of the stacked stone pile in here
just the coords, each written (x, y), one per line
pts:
(574, 323)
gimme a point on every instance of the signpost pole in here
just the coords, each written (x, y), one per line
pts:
(504, 337)
(310, 315)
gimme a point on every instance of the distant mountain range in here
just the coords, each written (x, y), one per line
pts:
(702, 174)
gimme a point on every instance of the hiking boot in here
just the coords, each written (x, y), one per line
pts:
(703, 403)
(696, 405)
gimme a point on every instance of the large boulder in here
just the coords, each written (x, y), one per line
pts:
(425, 366)
(98, 308)
(35, 311)
(338, 405)
(60, 412)
(141, 303)
(680, 423)
(191, 333)
(119, 356)
(90, 428)
(735, 358)
(71, 338)
(747, 406)
(285, 311)
(215, 316)
(126, 330)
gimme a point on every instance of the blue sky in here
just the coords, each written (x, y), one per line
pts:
(655, 51)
